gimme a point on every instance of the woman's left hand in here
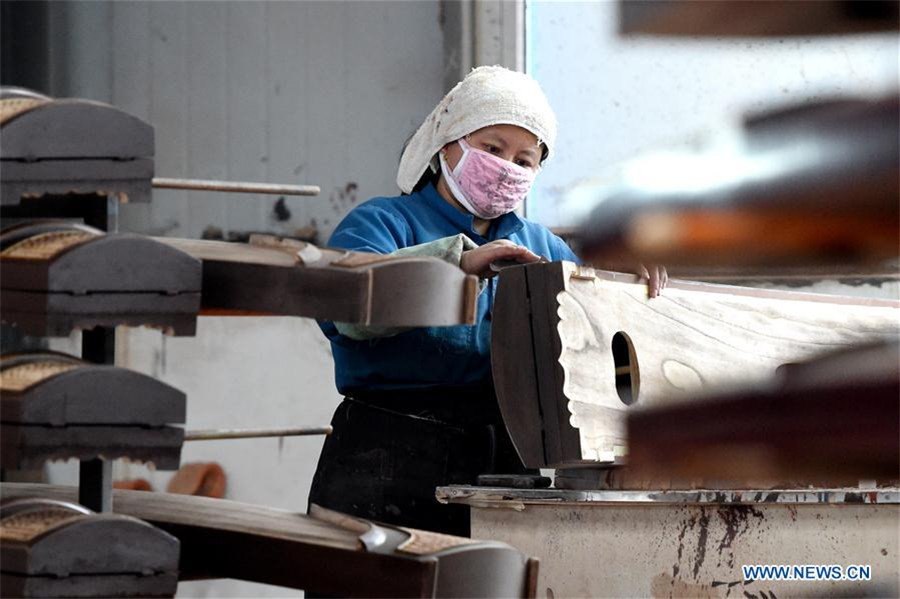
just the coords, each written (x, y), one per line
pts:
(657, 278)
(478, 261)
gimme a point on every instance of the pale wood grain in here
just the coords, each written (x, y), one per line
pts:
(688, 341)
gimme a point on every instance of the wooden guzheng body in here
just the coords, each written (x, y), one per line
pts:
(55, 548)
(575, 349)
(58, 277)
(295, 278)
(325, 553)
(73, 146)
(54, 406)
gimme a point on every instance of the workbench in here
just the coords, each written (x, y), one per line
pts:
(691, 543)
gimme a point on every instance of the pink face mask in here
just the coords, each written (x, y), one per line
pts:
(487, 185)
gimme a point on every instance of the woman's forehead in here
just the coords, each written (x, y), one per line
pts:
(512, 135)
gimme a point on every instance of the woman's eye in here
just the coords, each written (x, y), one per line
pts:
(492, 149)
(523, 163)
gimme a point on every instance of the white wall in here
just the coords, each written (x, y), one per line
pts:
(616, 97)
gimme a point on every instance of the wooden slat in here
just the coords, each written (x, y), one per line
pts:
(517, 377)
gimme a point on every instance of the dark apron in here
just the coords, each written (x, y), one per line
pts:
(391, 449)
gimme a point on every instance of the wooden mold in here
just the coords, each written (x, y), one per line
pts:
(55, 406)
(58, 277)
(54, 548)
(575, 349)
(73, 146)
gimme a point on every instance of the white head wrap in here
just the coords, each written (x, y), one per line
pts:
(487, 96)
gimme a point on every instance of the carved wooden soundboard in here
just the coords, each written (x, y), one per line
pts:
(324, 553)
(574, 349)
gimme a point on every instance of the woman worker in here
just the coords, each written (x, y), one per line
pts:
(419, 408)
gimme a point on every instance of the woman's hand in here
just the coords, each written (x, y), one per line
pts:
(657, 278)
(478, 261)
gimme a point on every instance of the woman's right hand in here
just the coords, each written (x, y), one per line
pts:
(478, 261)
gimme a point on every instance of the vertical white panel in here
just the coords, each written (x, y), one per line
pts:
(411, 81)
(81, 49)
(131, 85)
(207, 120)
(131, 57)
(362, 77)
(324, 46)
(168, 112)
(288, 93)
(246, 108)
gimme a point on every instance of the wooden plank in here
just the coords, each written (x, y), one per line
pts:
(543, 322)
(694, 339)
(517, 377)
(543, 286)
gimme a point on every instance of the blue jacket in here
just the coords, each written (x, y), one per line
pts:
(432, 356)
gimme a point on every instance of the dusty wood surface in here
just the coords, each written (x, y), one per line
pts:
(693, 339)
(292, 278)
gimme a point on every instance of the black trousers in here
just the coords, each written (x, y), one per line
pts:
(390, 450)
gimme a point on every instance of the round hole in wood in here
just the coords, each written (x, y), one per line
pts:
(628, 379)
